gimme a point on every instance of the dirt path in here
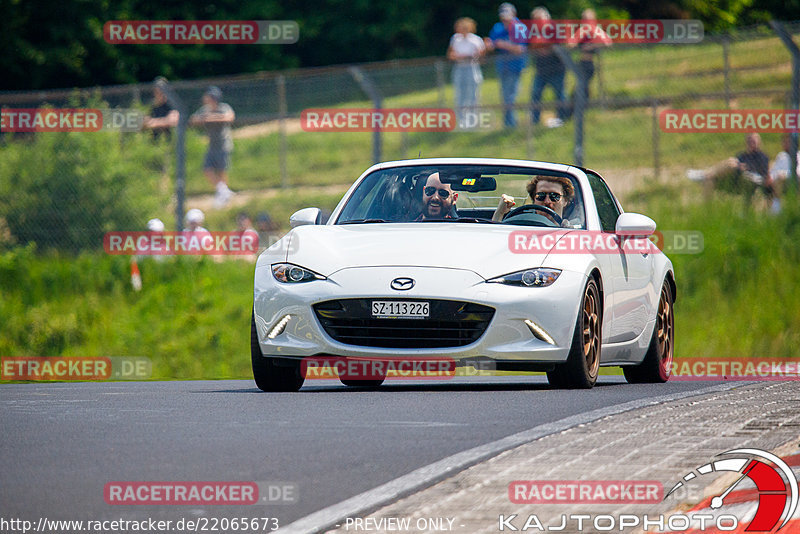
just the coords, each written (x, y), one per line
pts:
(266, 128)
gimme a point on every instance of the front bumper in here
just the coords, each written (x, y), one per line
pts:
(507, 337)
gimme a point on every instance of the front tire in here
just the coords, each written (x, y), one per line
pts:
(656, 367)
(583, 363)
(267, 375)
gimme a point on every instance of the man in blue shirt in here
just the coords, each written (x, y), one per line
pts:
(507, 38)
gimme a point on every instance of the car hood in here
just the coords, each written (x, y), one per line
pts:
(481, 248)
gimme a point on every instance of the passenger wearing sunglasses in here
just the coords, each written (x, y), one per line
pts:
(553, 192)
(438, 199)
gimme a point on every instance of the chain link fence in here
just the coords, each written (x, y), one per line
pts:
(65, 190)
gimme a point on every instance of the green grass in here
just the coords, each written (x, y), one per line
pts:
(191, 317)
(739, 297)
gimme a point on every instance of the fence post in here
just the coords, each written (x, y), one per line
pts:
(438, 66)
(529, 140)
(726, 68)
(580, 103)
(656, 142)
(786, 37)
(601, 81)
(180, 150)
(372, 92)
(282, 110)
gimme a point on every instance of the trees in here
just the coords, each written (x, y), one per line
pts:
(59, 43)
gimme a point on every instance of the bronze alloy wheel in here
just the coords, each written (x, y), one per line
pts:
(583, 362)
(665, 330)
(591, 332)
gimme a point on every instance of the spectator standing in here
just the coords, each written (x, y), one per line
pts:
(162, 117)
(465, 49)
(216, 117)
(550, 70)
(507, 38)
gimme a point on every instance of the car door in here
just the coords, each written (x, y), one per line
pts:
(627, 269)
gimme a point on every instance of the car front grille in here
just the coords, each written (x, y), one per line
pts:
(450, 324)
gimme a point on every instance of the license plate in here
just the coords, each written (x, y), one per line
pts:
(400, 309)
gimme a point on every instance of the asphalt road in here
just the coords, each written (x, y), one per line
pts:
(61, 443)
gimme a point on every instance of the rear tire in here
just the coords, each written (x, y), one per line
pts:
(657, 364)
(267, 375)
(583, 363)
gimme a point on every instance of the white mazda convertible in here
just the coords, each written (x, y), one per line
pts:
(516, 265)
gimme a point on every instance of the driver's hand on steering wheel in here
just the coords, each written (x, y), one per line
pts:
(505, 205)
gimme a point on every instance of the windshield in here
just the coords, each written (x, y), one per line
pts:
(467, 194)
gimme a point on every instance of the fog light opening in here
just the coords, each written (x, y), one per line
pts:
(539, 332)
(279, 327)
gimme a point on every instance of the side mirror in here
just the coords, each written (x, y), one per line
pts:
(634, 225)
(305, 216)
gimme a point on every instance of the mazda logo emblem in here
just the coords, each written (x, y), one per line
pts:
(402, 284)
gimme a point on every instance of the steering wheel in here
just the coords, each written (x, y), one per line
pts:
(533, 207)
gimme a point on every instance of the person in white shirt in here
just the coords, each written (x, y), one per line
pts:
(780, 171)
(194, 220)
(465, 50)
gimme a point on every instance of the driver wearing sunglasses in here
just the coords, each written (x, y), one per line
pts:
(553, 192)
(437, 199)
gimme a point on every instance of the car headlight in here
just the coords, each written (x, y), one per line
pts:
(293, 274)
(529, 278)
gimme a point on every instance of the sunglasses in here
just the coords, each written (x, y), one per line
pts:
(430, 191)
(554, 197)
